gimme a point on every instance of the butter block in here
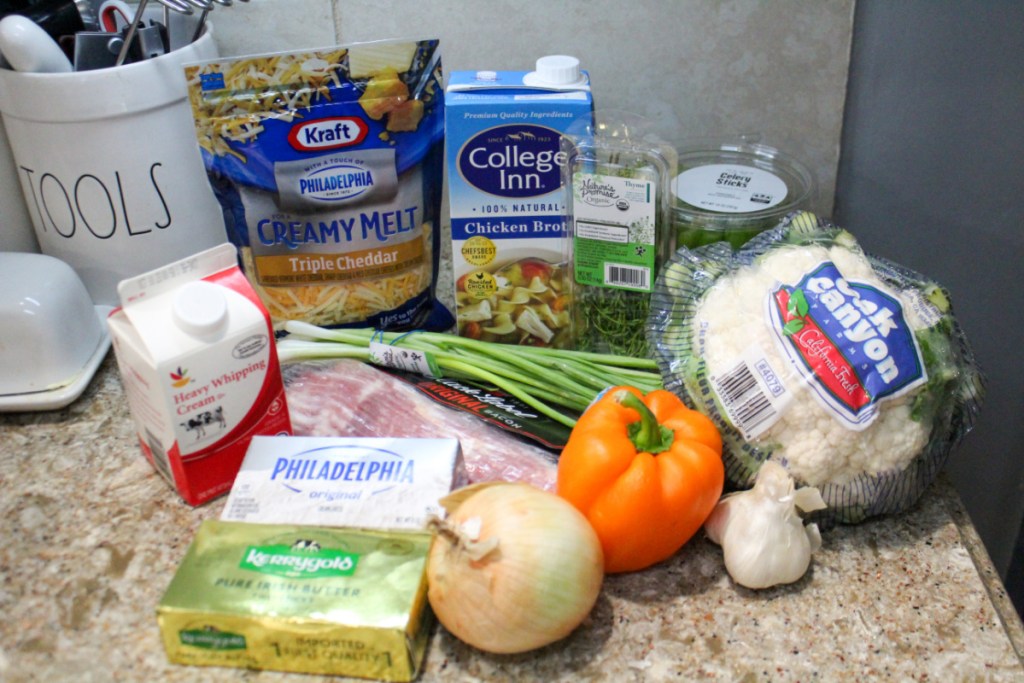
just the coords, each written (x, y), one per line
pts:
(300, 598)
(375, 483)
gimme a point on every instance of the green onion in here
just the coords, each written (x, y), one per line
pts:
(557, 383)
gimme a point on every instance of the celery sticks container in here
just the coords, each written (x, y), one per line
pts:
(507, 199)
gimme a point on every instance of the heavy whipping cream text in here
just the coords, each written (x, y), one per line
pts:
(205, 395)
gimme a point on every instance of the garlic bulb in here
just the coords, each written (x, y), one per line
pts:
(764, 539)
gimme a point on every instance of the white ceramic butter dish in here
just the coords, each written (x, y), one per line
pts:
(52, 336)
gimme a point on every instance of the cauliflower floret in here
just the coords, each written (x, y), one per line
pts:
(815, 447)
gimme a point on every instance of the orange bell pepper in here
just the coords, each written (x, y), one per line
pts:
(645, 470)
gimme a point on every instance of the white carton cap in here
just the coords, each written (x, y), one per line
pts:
(555, 71)
(200, 309)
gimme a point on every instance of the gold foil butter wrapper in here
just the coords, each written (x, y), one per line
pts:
(298, 598)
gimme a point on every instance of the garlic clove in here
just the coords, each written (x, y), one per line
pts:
(809, 499)
(814, 536)
(763, 538)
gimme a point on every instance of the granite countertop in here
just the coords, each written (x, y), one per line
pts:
(93, 537)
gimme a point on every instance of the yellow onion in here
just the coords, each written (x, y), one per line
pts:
(512, 567)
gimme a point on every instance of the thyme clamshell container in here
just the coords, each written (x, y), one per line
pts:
(620, 232)
(300, 598)
(732, 191)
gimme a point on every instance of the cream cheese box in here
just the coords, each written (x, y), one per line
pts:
(370, 483)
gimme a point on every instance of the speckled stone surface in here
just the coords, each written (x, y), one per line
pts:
(93, 537)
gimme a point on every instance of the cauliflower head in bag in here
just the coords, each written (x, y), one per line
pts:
(848, 370)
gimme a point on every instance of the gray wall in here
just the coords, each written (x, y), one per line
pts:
(932, 176)
(695, 68)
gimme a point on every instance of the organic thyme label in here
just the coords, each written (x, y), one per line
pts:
(613, 245)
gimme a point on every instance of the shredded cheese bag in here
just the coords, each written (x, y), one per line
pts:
(327, 165)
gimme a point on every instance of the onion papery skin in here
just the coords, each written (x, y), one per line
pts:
(535, 588)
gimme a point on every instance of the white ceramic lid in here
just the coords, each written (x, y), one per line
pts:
(49, 328)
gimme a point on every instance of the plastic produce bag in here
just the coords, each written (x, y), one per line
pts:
(850, 371)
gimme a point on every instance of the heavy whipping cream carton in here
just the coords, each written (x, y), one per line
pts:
(196, 353)
(508, 205)
(377, 483)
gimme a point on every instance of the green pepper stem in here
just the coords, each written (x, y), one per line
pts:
(646, 434)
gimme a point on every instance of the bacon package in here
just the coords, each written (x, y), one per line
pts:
(348, 398)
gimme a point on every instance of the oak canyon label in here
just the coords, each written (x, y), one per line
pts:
(849, 340)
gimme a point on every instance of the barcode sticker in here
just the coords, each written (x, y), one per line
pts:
(159, 456)
(627, 276)
(752, 393)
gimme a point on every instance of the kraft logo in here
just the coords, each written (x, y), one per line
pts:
(330, 133)
(180, 378)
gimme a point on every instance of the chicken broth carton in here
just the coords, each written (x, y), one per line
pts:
(508, 206)
(196, 354)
